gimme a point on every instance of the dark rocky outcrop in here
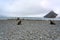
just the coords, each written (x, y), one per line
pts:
(52, 23)
(51, 14)
(19, 22)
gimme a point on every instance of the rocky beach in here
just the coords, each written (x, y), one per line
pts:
(29, 30)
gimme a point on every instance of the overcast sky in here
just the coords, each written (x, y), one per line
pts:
(32, 8)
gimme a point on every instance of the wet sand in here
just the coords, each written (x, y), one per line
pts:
(29, 30)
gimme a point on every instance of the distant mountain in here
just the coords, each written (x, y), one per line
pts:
(51, 14)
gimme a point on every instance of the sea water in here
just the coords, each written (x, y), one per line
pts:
(30, 18)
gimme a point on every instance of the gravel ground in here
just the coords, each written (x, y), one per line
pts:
(29, 30)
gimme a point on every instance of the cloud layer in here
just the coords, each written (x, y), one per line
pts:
(14, 8)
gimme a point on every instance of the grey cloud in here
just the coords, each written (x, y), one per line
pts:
(22, 8)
